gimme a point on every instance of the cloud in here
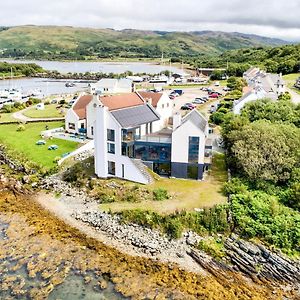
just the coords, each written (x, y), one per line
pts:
(272, 18)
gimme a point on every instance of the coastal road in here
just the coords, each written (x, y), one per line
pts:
(295, 96)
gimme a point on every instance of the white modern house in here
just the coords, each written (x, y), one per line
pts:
(123, 144)
(132, 131)
(112, 86)
(81, 117)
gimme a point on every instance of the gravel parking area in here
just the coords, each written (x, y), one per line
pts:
(191, 93)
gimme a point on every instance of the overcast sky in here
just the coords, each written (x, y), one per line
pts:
(273, 18)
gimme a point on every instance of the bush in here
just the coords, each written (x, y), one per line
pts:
(174, 228)
(21, 128)
(7, 109)
(47, 102)
(56, 159)
(213, 247)
(160, 194)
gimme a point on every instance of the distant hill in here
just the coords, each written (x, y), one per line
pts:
(54, 42)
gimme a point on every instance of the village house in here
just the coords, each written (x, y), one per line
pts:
(112, 86)
(260, 85)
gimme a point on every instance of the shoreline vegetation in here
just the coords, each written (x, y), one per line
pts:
(73, 248)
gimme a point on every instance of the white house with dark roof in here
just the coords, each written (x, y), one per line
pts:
(129, 133)
(112, 86)
(260, 85)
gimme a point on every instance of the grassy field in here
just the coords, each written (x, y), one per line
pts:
(291, 77)
(50, 111)
(6, 117)
(24, 142)
(185, 194)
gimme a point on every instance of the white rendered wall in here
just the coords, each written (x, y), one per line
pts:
(91, 116)
(180, 142)
(71, 117)
(164, 109)
(252, 97)
(104, 121)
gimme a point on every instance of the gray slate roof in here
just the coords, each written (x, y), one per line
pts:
(196, 118)
(135, 116)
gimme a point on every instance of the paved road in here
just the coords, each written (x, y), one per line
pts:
(19, 116)
(295, 96)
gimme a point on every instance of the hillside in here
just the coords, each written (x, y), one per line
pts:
(78, 43)
(282, 59)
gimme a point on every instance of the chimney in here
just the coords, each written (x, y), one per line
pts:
(176, 120)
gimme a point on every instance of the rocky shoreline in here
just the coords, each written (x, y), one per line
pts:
(250, 260)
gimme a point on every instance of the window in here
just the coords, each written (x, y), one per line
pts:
(92, 130)
(71, 125)
(167, 104)
(110, 135)
(193, 149)
(162, 106)
(82, 125)
(111, 148)
(123, 171)
(111, 168)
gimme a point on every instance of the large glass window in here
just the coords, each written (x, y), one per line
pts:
(193, 149)
(111, 168)
(111, 148)
(110, 135)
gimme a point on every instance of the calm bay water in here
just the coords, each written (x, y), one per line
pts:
(44, 85)
(95, 67)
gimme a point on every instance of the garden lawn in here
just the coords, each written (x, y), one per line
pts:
(185, 194)
(23, 142)
(7, 117)
(50, 111)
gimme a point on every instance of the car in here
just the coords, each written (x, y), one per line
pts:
(191, 105)
(179, 92)
(214, 95)
(217, 83)
(226, 89)
(198, 101)
(175, 94)
(54, 101)
(185, 107)
(172, 96)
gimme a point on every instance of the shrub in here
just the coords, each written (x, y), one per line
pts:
(56, 159)
(7, 108)
(213, 247)
(107, 198)
(174, 228)
(160, 194)
(21, 128)
(47, 102)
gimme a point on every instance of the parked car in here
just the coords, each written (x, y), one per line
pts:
(214, 95)
(175, 94)
(198, 101)
(41, 142)
(217, 83)
(188, 106)
(226, 89)
(179, 92)
(172, 96)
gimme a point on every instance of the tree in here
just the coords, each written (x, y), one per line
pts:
(266, 151)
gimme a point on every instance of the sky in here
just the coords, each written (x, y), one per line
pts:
(271, 18)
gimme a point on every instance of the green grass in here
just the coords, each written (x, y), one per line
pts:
(291, 77)
(50, 111)
(24, 143)
(185, 194)
(6, 117)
